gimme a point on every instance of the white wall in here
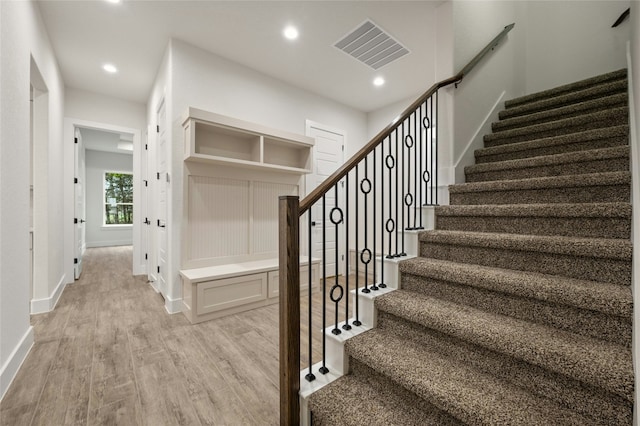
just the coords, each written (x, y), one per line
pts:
(104, 109)
(22, 34)
(203, 80)
(379, 119)
(567, 41)
(97, 163)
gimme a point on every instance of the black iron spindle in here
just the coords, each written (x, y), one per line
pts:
(390, 163)
(346, 325)
(324, 369)
(365, 256)
(374, 286)
(357, 322)
(310, 376)
(336, 217)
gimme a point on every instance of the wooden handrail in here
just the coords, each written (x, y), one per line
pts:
(329, 182)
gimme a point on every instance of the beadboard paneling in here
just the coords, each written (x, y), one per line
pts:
(219, 217)
(265, 214)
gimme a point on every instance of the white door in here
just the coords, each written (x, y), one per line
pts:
(79, 216)
(150, 184)
(328, 154)
(162, 185)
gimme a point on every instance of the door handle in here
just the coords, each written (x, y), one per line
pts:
(82, 221)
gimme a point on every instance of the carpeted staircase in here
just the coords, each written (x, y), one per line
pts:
(519, 308)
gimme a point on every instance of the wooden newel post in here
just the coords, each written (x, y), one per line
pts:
(289, 259)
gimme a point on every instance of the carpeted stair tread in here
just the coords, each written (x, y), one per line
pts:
(595, 362)
(600, 80)
(594, 120)
(590, 139)
(565, 111)
(595, 220)
(580, 162)
(574, 246)
(365, 397)
(595, 296)
(468, 394)
(567, 181)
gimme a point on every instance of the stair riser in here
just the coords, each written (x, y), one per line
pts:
(591, 227)
(585, 194)
(540, 117)
(580, 321)
(554, 149)
(587, 268)
(498, 139)
(581, 397)
(595, 166)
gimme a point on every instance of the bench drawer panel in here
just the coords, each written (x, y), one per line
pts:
(217, 295)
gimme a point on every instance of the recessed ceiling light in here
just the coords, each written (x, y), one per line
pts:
(378, 81)
(291, 32)
(110, 68)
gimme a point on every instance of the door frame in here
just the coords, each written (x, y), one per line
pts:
(309, 124)
(70, 124)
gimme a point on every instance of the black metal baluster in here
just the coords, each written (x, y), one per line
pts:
(365, 256)
(401, 217)
(417, 172)
(428, 173)
(382, 223)
(346, 325)
(390, 225)
(419, 175)
(336, 217)
(357, 320)
(374, 286)
(408, 197)
(398, 253)
(310, 376)
(324, 369)
(434, 171)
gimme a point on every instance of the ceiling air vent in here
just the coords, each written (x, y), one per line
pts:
(372, 46)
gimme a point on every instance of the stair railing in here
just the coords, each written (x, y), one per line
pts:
(375, 197)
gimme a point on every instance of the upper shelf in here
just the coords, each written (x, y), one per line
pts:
(214, 138)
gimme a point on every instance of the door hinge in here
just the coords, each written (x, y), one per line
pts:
(146, 146)
(158, 269)
(158, 128)
(75, 140)
(75, 220)
(75, 180)
(343, 257)
(342, 147)
(158, 175)
(75, 260)
(146, 256)
(146, 183)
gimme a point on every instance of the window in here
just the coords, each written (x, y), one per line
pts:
(118, 198)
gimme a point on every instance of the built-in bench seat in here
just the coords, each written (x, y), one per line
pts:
(216, 291)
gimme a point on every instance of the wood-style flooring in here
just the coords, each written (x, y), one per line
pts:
(109, 354)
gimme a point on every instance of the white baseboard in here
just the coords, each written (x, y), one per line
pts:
(467, 158)
(13, 364)
(40, 306)
(173, 306)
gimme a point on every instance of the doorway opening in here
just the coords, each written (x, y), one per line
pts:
(104, 203)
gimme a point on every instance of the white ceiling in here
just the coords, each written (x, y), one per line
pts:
(134, 35)
(105, 141)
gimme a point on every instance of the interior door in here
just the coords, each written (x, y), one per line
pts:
(149, 188)
(328, 157)
(161, 186)
(79, 216)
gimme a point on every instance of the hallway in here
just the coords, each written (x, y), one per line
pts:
(110, 354)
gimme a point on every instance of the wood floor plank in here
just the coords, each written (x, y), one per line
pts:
(109, 354)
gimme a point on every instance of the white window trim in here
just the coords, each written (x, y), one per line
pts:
(116, 226)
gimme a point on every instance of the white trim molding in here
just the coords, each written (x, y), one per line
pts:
(172, 306)
(47, 304)
(16, 359)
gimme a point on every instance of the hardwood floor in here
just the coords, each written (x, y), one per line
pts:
(110, 354)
